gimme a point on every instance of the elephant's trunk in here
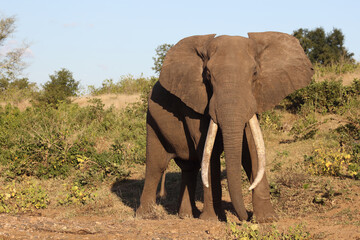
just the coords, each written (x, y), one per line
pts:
(233, 135)
(259, 145)
(232, 131)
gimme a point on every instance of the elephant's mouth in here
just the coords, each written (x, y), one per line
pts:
(259, 145)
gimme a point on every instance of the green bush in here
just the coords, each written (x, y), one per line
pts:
(334, 162)
(126, 85)
(61, 86)
(26, 196)
(44, 142)
(49, 142)
(255, 231)
(326, 96)
(271, 120)
(76, 194)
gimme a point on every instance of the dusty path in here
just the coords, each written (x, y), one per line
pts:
(38, 227)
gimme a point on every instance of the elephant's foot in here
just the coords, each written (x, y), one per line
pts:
(188, 212)
(208, 215)
(145, 210)
(264, 211)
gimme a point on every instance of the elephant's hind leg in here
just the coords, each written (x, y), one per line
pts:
(189, 172)
(157, 159)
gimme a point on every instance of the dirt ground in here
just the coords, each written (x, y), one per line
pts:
(111, 216)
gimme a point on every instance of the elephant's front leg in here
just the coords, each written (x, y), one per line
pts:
(262, 206)
(189, 172)
(212, 195)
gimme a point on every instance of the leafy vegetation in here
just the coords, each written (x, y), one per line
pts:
(11, 62)
(254, 231)
(328, 96)
(334, 162)
(126, 85)
(61, 86)
(27, 196)
(160, 56)
(324, 48)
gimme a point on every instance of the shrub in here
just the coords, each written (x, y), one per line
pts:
(326, 96)
(20, 198)
(332, 162)
(61, 86)
(271, 120)
(76, 194)
(49, 142)
(253, 231)
(126, 85)
(45, 142)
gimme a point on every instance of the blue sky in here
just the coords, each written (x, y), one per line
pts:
(98, 40)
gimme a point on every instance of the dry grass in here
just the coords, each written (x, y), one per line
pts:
(22, 105)
(118, 101)
(347, 78)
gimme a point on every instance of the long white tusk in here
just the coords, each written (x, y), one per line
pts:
(209, 144)
(260, 149)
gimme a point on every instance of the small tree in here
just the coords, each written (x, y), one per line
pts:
(11, 63)
(61, 86)
(324, 48)
(160, 56)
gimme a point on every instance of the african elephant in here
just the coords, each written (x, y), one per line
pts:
(206, 101)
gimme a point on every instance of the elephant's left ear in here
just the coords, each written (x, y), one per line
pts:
(182, 71)
(283, 67)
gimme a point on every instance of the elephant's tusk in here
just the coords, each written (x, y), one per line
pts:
(260, 150)
(209, 144)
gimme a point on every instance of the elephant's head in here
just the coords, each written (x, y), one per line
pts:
(233, 78)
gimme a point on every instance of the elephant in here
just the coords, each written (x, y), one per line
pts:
(209, 93)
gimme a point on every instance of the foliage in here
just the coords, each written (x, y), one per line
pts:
(11, 62)
(324, 48)
(271, 120)
(77, 194)
(126, 85)
(27, 196)
(160, 56)
(47, 142)
(334, 162)
(305, 127)
(326, 96)
(61, 86)
(253, 231)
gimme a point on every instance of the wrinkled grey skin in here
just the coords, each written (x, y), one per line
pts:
(227, 79)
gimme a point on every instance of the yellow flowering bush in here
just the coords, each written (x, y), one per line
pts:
(28, 196)
(333, 162)
(77, 195)
(271, 120)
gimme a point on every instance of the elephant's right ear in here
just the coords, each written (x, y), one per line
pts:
(182, 71)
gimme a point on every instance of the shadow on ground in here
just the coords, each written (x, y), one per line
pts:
(129, 192)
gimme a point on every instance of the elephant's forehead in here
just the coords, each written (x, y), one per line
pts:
(227, 43)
